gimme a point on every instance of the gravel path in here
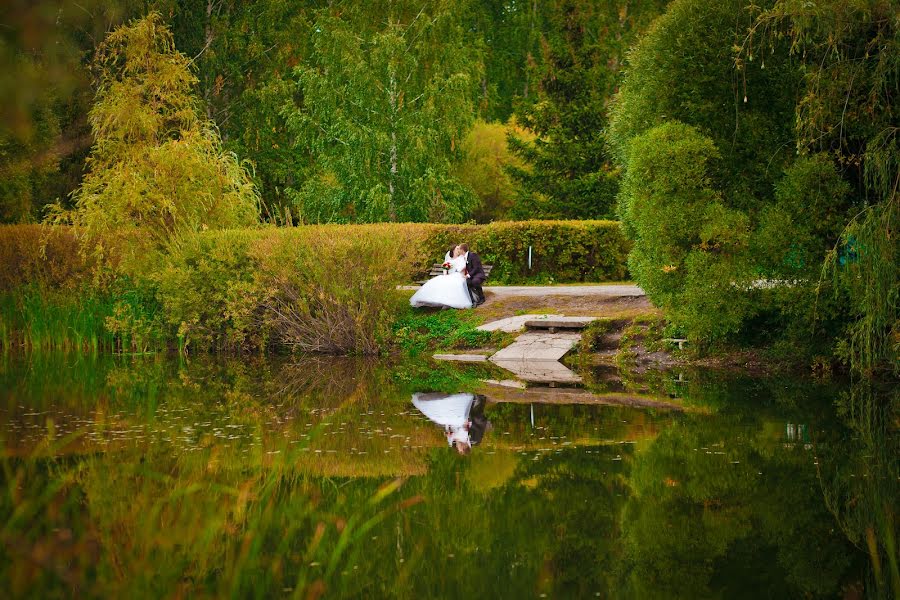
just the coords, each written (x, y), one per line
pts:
(508, 291)
(504, 291)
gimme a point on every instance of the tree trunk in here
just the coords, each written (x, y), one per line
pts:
(207, 96)
(392, 208)
(530, 44)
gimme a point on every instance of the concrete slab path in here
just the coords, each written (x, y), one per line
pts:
(539, 371)
(538, 346)
(507, 291)
(617, 289)
(461, 357)
(514, 324)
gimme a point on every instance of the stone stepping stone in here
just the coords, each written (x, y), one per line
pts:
(461, 357)
(507, 383)
(514, 324)
(557, 323)
(539, 371)
(538, 346)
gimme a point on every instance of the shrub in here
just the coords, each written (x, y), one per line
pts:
(331, 288)
(562, 251)
(32, 254)
(323, 288)
(208, 292)
(690, 249)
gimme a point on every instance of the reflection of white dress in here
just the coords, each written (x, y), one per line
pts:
(449, 410)
(445, 290)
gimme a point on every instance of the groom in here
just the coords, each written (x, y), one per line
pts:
(474, 275)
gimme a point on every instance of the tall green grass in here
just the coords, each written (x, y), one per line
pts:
(211, 523)
(34, 318)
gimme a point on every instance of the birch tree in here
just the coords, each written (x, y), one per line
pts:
(383, 104)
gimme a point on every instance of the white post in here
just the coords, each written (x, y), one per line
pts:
(529, 258)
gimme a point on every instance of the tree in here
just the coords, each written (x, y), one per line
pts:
(690, 248)
(583, 44)
(385, 103)
(700, 165)
(484, 168)
(847, 111)
(808, 157)
(45, 94)
(156, 164)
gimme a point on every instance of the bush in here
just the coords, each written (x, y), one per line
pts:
(562, 251)
(690, 248)
(32, 254)
(331, 288)
(323, 288)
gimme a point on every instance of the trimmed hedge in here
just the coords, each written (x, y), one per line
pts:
(562, 251)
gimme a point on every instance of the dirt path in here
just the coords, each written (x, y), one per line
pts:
(590, 304)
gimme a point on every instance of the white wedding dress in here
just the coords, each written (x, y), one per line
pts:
(448, 290)
(451, 411)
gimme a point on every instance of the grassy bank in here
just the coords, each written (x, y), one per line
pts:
(329, 288)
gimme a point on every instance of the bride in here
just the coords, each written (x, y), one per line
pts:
(449, 290)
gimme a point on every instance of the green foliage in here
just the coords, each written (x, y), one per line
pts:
(562, 251)
(207, 291)
(333, 288)
(592, 335)
(484, 168)
(583, 44)
(690, 252)
(324, 288)
(418, 331)
(155, 164)
(385, 103)
(32, 254)
(313, 288)
(747, 261)
(848, 109)
(27, 165)
(683, 69)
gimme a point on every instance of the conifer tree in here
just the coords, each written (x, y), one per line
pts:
(569, 173)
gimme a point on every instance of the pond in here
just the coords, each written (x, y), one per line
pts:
(158, 476)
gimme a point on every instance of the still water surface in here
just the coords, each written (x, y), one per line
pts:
(155, 477)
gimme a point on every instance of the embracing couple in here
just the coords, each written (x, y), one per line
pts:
(459, 286)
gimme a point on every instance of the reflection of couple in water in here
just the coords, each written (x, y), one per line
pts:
(461, 416)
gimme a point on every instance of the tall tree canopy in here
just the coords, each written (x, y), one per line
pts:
(759, 146)
(386, 99)
(583, 45)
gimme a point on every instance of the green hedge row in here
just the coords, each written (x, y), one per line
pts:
(561, 251)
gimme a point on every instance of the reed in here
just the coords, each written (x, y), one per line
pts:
(214, 522)
(37, 319)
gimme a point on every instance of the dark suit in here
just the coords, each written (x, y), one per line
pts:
(476, 277)
(478, 423)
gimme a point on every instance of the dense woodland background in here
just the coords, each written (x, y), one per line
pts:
(750, 151)
(310, 93)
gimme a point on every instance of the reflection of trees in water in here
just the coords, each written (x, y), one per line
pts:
(721, 506)
(330, 382)
(859, 479)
